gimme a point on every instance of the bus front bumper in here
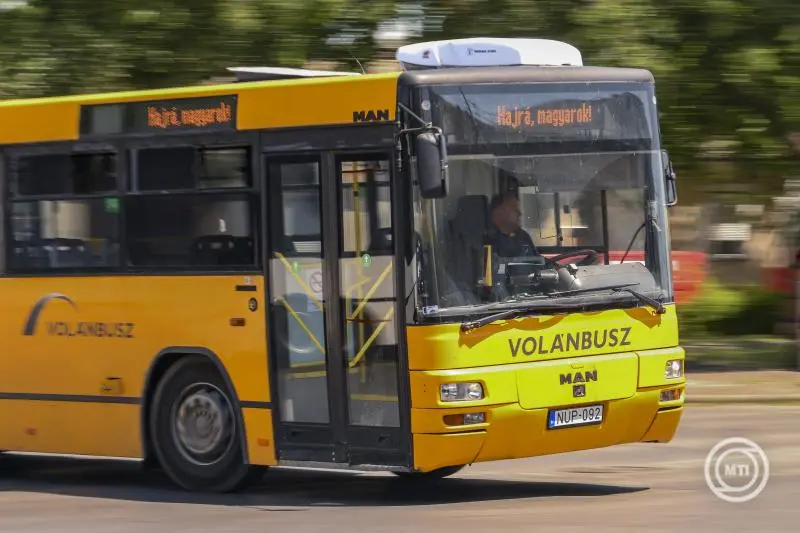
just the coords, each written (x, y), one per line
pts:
(511, 431)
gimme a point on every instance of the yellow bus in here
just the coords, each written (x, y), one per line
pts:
(463, 261)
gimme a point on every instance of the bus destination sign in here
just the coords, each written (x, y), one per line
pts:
(520, 118)
(170, 116)
(181, 115)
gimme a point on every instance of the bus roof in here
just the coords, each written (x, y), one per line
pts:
(281, 103)
(526, 74)
(187, 91)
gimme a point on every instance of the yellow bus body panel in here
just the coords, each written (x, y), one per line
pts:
(98, 372)
(529, 365)
(261, 105)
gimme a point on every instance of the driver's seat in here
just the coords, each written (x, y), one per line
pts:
(469, 227)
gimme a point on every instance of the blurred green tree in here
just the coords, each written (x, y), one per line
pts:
(54, 47)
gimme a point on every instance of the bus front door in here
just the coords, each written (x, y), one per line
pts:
(333, 312)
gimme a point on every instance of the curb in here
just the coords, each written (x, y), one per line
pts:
(742, 398)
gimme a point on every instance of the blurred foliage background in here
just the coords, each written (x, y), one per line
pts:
(725, 310)
(727, 77)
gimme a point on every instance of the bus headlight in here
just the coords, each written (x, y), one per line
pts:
(674, 369)
(460, 392)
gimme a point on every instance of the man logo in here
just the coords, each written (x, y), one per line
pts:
(578, 377)
(29, 328)
(578, 391)
(371, 115)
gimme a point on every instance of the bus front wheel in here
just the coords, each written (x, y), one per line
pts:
(195, 431)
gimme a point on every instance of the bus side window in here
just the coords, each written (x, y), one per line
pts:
(64, 212)
(172, 224)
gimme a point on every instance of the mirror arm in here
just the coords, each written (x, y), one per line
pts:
(425, 129)
(425, 125)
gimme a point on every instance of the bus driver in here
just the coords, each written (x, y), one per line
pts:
(505, 235)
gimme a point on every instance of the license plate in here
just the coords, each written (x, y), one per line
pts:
(575, 416)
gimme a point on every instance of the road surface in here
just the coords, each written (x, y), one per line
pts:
(642, 487)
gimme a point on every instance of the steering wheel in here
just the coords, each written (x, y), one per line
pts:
(591, 257)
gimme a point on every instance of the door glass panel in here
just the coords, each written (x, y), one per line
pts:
(298, 324)
(366, 260)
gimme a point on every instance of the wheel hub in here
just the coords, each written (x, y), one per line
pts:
(203, 424)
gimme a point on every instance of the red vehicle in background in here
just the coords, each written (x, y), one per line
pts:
(688, 271)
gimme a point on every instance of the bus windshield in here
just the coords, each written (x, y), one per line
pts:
(542, 177)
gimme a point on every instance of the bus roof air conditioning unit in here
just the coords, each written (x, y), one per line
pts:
(487, 52)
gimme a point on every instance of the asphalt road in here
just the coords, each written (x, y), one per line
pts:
(642, 487)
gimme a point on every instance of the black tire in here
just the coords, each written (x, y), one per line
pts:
(439, 473)
(222, 468)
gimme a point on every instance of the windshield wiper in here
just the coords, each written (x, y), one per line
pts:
(513, 313)
(480, 322)
(539, 305)
(652, 302)
(626, 287)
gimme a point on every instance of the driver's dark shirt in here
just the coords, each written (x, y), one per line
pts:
(517, 244)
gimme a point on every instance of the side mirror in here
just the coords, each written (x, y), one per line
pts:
(669, 180)
(432, 170)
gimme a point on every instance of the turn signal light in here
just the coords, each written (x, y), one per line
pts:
(465, 419)
(670, 395)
